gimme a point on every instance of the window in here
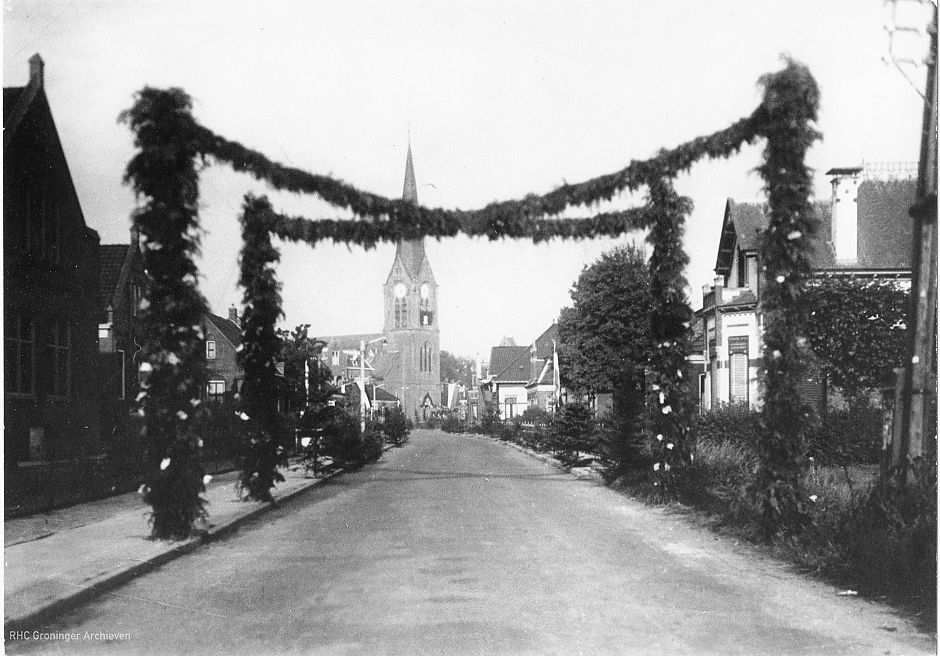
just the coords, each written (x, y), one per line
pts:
(425, 355)
(18, 353)
(60, 339)
(742, 270)
(216, 390)
(138, 294)
(210, 349)
(737, 366)
(401, 313)
(335, 359)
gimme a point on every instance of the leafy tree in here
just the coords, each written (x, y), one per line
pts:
(605, 334)
(456, 369)
(605, 345)
(856, 329)
(297, 348)
(572, 432)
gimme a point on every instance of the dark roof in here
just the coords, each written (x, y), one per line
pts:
(885, 229)
(745, 222)
(10, 96)
(845, 170)
(229, 330)
(375, 393)
(112, 257)
(510, 363)
(544, 343)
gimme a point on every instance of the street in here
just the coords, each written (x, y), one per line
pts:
(463, 545)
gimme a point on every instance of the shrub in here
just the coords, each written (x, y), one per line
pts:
(572, 432)
(490, 423)
(396, 426)
(537, 416)
(890, 538)
(342, 439)
(451, 424)
(847, 436)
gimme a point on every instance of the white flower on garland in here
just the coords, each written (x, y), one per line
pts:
(164, 464)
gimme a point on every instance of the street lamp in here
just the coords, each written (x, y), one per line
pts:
(362, 377)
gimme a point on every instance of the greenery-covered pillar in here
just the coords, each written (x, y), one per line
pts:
(172, 363)
(791, 100)
(259, 349)
(668, 386)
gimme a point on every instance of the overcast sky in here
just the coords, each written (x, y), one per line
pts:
(502, 99)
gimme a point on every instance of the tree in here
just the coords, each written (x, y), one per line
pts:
(456, 369)
(298, 349)
(856, 329)
(606, 343)
(605, 334)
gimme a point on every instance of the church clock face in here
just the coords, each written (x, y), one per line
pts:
(400, 290)
(425, 290)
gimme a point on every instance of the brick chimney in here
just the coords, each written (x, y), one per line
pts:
(233, 315)
(37, 70)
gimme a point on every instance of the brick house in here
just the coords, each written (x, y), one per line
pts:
(865, 231)
(50, 288)
(510, 370)
(223, 337)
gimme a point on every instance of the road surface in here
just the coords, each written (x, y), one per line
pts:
(464, 545)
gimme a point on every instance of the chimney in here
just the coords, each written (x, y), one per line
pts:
(135, 237)
(233, 315)
(844, 236)
(37, 70)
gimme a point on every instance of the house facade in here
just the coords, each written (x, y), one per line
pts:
(865, 231)
(50, 288)
(223, 337)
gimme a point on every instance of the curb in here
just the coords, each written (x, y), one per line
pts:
(173, 551)
(590, 475)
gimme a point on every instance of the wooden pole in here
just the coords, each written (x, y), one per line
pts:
(923, 308)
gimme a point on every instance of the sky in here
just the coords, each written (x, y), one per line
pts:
(499, 99)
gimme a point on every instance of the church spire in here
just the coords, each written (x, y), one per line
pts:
(410, 189)
(411, 252)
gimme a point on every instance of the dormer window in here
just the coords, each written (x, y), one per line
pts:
(210, 349)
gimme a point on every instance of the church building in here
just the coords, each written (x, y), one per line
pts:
(404, 358)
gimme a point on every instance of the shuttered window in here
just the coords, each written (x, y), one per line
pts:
(737, 366)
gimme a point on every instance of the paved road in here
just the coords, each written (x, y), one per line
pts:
(462, 545)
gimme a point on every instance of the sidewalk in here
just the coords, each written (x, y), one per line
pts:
(92, 547)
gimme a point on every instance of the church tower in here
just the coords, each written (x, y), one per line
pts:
(410, 292)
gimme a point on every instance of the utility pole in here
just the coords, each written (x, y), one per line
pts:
(918, 381)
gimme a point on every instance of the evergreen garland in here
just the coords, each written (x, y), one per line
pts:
(169, 140)
(163, 174)
(668, 387)
(791, 101)
(258, 352)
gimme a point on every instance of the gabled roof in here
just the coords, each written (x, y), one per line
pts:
(509, 363)
(545, 375)
(543, 345)
(228, 329)
(744, 222)
(112, 258)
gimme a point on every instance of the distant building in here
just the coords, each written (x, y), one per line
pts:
(405, 357)
(865, 231)
(122, 285)
(223, 337)
(523, 376)
(50, 288)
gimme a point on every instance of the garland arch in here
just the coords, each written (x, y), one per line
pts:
(163, 174)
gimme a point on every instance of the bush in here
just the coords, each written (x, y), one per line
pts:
(395, 426)
(451, 424)
(572, 432)
(539, 417)
(850, 436)
(343, 441)
(490, 423)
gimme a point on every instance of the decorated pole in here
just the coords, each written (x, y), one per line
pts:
(791, 99)
(163, 175)
(258, 352)
(668, 391)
